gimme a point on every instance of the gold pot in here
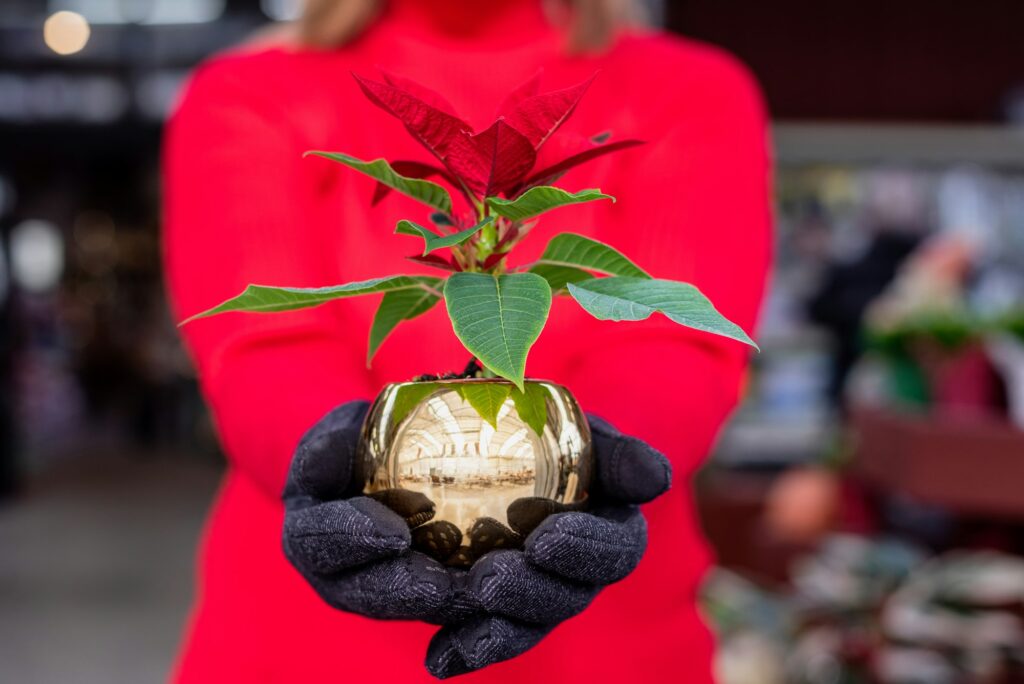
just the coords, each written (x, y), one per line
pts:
(465, 445)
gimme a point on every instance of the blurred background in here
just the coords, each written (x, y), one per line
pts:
(867, 501)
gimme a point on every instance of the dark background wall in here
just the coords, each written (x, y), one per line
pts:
(871, 59)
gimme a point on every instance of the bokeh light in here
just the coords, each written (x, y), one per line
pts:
(37, 255)
(66, 32)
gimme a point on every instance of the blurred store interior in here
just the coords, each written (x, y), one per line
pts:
(866, 502)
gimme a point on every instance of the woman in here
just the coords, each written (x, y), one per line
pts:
(243, 206)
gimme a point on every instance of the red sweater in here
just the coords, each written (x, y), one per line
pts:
(243, 206)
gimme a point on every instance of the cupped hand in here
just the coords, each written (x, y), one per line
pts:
(565, 561)
(360, 552)
(354, 550)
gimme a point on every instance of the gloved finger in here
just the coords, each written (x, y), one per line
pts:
(481, 642)
(415, 508)
(410, 587)
(324, 460)
(598, 548)
(628, 469)
(506, 583)
(486, 535)
(526, 513)
(338, 535)
(462, 605)
(439, 539)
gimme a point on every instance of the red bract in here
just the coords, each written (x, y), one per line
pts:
(433, 127)
(574, 152)
(431, 97)
(435, 261)
(493, 161)
(539, 116)
(498, 160)
(491, 261)
(528, 89)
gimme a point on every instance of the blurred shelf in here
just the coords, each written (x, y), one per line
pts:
(760, 439)
(975, 466)
(817, 143)
(731, 508)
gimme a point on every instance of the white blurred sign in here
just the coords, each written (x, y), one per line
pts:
(143, 11)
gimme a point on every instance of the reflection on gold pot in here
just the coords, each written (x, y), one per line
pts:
(473, 446)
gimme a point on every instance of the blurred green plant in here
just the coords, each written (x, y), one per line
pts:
(948, 330)
(1011, 323)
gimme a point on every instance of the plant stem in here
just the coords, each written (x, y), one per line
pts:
(431, 290)
(460, 257)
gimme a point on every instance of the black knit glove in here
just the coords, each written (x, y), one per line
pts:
(357, 553)
(565, 561)
(353, 549)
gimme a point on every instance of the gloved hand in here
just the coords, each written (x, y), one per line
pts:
(352, 549)
(357, 553)
(566, 560)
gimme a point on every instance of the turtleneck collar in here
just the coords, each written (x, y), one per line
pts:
(469, 22)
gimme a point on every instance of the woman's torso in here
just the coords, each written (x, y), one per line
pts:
(256, 620)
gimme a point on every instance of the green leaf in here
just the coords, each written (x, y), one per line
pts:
(432, 241)
(498, 317)
(398, 306)
(540, 199)
(408, 396)
(578, 251)
(559, 276)
(267, 299)
(486, 397)
(634, 299)
(532, 406)
(425, 191)
(569, 256)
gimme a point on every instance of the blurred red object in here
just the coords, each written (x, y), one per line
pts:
(961, 382)
(803, 504)
(973, 466)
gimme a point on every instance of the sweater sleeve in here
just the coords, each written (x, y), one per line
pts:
(700, 213)
(237, 211)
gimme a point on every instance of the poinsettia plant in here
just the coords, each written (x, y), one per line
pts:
(505, 173)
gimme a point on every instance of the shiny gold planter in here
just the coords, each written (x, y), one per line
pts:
(428, 438)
